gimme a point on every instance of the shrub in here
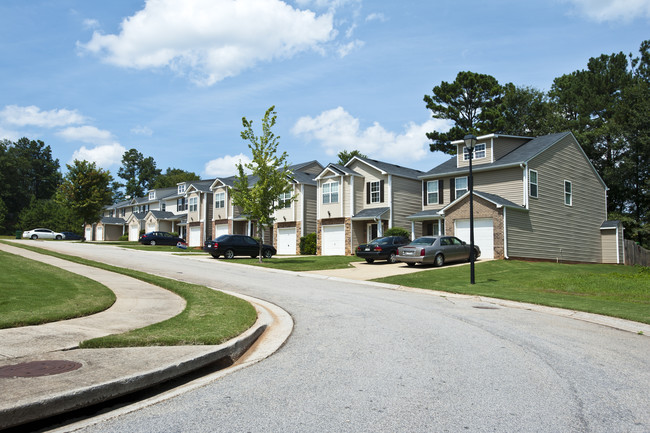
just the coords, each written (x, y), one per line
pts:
(398, 231)
(174, 234)
(123, 238)
(308, 244)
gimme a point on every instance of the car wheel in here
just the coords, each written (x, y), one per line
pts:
(215, 256)
(439, 260)
(410, 265)
(34, 237)
(252, 257)
(152, 243)
(229, 254)
(370, 260)
(58, 237)
(267, 254)
(392, 258)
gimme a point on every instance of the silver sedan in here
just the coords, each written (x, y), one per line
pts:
(43, 234)
(436, 250)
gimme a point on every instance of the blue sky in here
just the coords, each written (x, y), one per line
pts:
(173, 78)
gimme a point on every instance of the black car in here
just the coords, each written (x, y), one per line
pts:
(384, 248)
(230, 246)
(71, 236)
(160, 238)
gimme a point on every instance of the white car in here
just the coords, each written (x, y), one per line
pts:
(43, 234)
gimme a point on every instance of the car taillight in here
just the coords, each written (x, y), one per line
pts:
(422, 252)
(359, 248)
(378, 249)
(216, 245)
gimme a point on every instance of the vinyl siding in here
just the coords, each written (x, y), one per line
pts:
(553, 230)
(406, 194)
(369, 175)
(503, 146)
(310, 209)
(194, 216)
(334, 209)
(609, 244)
(506, 183)
(460, 161)
(221, 213)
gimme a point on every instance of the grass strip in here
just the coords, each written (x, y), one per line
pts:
(611, 290)
(299, 264)
(33, 293)
(210, 317)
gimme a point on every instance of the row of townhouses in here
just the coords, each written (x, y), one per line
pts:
(534, 198)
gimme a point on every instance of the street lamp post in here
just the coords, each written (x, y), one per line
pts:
(470, 142)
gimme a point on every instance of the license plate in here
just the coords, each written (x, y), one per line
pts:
(367, 249)
(408, 253)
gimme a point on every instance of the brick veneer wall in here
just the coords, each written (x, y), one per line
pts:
(282, 225)
(482, 209)
(332, 221)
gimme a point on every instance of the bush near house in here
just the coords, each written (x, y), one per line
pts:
(398, 231)
(123, 238)
(308, 244)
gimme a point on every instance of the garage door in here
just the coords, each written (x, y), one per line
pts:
(100, 234)
(151, 227)
(287, 241)
(333, 240)
(195, 236)
(89, 234)
(220, 229)
(483, 234)
(134, 233)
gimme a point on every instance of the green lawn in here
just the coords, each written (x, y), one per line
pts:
(210, 317)
(33, 293)
(612, 290)
(298, 264)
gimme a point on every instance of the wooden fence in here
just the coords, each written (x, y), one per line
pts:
(636, 255)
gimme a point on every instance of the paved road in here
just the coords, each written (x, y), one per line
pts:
(364, 358)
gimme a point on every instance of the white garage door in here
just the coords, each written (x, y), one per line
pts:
(287, 241)
(220, 229)
(89, 234)
(195, 236)
(151, 227)
(483, 234)
(134, 233)
(100, 234)
(333, 240)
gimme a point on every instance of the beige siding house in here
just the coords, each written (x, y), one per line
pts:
(200, 212)
(535, 198)
(298, 216)
(358, 202)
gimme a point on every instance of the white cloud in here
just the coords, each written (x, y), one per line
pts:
(33, 116)
(105, 156)
(376, 16)
(346, 49)
(6, 134)
(337, 130)
(86, 134)
(90, 24)
(612, 10)
(210, 40)
(225, 166)
(142, 130)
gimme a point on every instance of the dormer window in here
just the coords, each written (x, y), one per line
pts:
(152, 195)
(479, 152)
(181, 188)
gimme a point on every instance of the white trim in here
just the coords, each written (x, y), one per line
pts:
(525, 182)
(492, 149)
(342, 198)
(303, 213)
(530, 170)
(505, 235)
(564, 192)
(618, 260)
(412, 230)
(352, 196)
(390, 200)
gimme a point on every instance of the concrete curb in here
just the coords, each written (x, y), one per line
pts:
(39, 406)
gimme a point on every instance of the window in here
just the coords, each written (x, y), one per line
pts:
(432, 192)
(220, 200)
(568, 193)
(152, 195)
(123, 212)
(163, 207)
(110, 213)
(375, 196)
(532, 183)
(285, 200)
(181, 205)
(461, 186)
(194, 204)
(479, 152)
(181, 188)
(331, 192)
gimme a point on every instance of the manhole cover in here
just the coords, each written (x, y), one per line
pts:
(38, 368)
(486, 307)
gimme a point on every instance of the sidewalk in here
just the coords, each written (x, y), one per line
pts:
(56, 379)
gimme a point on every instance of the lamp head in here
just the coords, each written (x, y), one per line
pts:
(470, 141)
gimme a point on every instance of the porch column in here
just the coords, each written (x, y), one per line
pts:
(412, 230)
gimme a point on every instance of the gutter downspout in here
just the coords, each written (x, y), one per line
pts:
(524, 167)
(505, 235)
(390, 200)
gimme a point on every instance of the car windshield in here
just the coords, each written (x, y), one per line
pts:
(222, 238)
(423, 241)
(380, 241)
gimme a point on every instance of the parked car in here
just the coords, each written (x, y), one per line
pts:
(230, 246)
(160, 238)
(436, 250)
(384, 248)
(71, 236)
(42, 234)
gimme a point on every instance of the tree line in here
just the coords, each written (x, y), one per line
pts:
(606, 106)
(34, 192)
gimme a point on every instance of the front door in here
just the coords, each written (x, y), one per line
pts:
(372, 232)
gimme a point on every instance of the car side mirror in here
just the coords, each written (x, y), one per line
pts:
(464, 243)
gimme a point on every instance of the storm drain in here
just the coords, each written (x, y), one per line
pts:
(38, 368)
(486, 307)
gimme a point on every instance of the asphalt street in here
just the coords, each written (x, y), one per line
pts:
(364, 358)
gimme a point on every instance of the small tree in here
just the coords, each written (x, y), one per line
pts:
(259, 198)
(86, 190)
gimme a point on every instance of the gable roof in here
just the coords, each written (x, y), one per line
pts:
(520, 155)
(112, 220)
(374, 213)
(387, 168)
(497, 200)
(199, 185)
(338, 170)
(163, 215)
